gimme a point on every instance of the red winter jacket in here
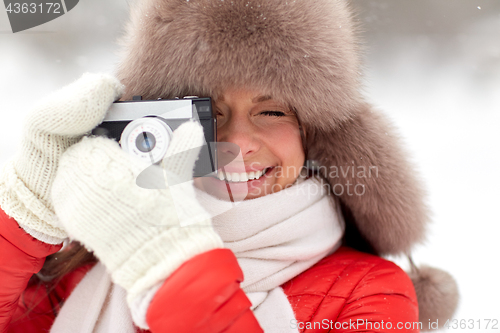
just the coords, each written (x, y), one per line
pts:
(348, 291)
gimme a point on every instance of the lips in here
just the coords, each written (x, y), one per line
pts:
(236, 190)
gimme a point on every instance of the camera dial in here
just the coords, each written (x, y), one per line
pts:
(147, 138)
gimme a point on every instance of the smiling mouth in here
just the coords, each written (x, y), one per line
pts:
(240, 177)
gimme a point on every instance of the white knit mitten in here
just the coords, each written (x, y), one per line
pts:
(54, 125)
(141, 235)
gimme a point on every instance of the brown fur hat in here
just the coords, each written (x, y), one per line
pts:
(303, 53)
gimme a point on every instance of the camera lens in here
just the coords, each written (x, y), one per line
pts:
(145, 142)
(147, 138)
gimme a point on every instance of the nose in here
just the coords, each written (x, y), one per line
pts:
(240, 136)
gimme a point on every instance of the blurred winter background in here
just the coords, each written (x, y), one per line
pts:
(432, 65)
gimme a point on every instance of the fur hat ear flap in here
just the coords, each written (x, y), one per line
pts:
(370, 173)
(437, 294)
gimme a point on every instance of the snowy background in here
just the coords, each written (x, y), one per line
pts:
(432, 65)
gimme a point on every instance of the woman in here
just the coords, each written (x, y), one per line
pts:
(284, 78)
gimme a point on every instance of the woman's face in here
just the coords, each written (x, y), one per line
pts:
(256, 134)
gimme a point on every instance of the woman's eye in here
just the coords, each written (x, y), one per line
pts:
(273, 113)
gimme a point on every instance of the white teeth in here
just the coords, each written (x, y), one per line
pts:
(240, 177)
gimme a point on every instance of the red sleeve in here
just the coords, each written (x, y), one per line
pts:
(383, 301)
(20, 257)
(351, 291)
(203, 295)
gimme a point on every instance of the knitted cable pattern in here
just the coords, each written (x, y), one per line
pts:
(57, 123)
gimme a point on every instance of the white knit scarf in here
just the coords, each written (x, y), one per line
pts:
(274, 237)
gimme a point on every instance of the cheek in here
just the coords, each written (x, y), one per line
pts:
(285, 143)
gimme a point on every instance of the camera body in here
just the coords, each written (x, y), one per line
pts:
(144, 128)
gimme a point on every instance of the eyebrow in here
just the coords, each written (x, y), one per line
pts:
(259, 99)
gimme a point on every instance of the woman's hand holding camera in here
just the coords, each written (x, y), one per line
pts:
(58, 122)
(141, 235)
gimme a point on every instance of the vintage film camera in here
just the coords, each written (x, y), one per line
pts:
(144, 128)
